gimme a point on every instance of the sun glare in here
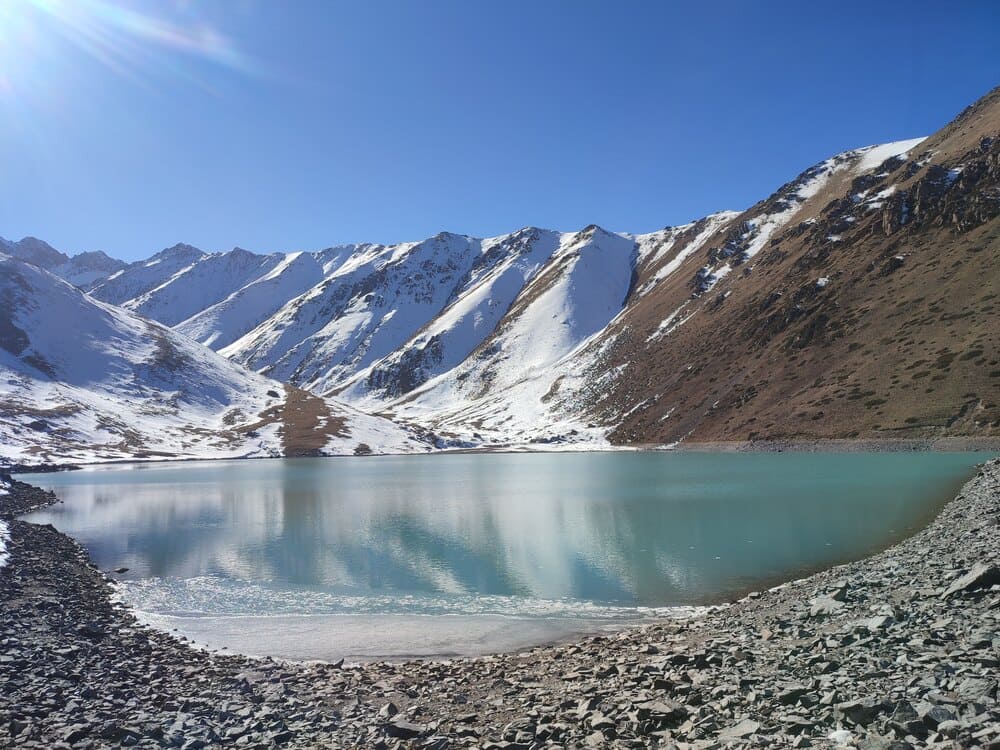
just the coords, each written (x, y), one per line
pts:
(119, 35)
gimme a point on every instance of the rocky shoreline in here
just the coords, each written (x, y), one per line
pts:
(845, 445)
(901, 649)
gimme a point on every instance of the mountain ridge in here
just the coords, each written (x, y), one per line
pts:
(716, 329)
(117, 386)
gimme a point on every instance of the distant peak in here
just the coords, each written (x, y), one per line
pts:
(37, 251)
(35, 243)
(93, 255)
(534, 230)
(595, 230)
(448, 236)
(179, 249)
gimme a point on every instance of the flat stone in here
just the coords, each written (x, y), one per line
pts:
(403, 730)
(979, 577)
(823, 606)
(744, 729)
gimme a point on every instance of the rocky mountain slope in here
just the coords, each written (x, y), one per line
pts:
(859, 300)
(872, 311)
(82, 380)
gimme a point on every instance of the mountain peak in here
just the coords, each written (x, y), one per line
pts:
(180, 248)
(37, 251)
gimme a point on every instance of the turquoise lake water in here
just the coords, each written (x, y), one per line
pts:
(415, 555)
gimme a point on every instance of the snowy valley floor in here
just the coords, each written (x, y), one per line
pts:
(900, 649)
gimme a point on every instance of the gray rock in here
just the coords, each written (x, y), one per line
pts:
(933, 715)
(789, 694)
(404, 730)
(738, 731)
(981, 576)
(859, 712)
(824, 606)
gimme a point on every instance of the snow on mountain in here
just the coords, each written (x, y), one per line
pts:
(81, 270)
(207, 281)
(139, 278)
(498, 275)
(222, 323)
(35, 251)
(365, 310)
(86, 269)
(113, 385)
(539, 376)
(874, 156)
(4, 529)
(508, 389)
(539, 336)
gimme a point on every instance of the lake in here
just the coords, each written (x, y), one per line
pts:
(400, 556)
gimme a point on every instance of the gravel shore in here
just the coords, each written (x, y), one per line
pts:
(901, 649)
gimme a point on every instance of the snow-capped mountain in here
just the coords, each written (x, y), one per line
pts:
(138, 279)
(799, 317)
(114, 385)
(81, 270)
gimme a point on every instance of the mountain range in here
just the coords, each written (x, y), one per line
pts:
(857, 301)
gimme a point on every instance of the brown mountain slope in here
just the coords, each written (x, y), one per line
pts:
(873, 311)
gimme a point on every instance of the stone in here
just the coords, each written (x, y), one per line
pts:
(933, 715)
(981, 576)
(600, 721)
(838, 591)
(824, 606)
(841, 737)
(403, 730)
(90, 630)
(789, 694)
(738, 731)
(661, 710)
(879, 622)
(859, 712)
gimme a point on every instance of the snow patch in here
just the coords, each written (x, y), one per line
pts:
(4, 540)
(875, 156)
(713, 224)
(667, 325)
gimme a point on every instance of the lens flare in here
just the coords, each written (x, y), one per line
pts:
(122, 37)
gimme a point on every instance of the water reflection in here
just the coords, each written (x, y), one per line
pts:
(621, 529)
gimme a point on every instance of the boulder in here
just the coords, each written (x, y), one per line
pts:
(979, 577)
(823, 606)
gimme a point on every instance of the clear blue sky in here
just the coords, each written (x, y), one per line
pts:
(129, 126)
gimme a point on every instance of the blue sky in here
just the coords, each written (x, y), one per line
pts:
(129, 126)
